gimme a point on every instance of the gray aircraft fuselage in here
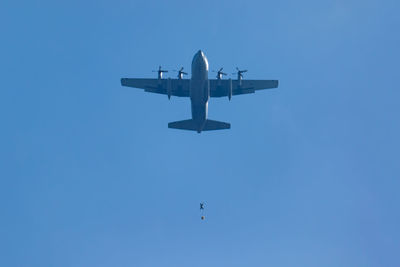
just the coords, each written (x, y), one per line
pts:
(199, 89)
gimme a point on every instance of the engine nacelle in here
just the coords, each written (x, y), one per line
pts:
(230, 89)
(169, 88)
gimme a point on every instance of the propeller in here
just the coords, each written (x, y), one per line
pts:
(160, 72)
(220, 73)
(239, 73)
(180, 73)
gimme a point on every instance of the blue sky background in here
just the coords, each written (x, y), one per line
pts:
(90, 175)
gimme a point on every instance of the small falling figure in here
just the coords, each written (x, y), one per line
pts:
(202, 209)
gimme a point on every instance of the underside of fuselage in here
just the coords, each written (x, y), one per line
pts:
(199, 96)
(199, 89)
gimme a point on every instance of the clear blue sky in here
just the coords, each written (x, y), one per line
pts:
(90, 175)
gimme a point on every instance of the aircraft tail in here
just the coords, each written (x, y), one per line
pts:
(192, 125)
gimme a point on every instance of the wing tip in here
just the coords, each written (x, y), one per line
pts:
(123, 81)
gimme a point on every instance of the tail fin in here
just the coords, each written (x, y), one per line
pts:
(192, 125)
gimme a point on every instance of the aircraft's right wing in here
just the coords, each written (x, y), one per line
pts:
(220, 88)
(170, 87)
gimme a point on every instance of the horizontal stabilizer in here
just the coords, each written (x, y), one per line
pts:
(184, 125)
(215, 125)
(192, 125)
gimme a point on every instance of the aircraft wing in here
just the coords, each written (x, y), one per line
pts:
(220, 88)
(170, 87)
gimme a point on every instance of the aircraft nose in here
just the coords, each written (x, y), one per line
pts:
(200, 59)
(200, 53)
(199, 56)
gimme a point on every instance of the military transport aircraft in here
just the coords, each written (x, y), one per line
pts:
(199, 88)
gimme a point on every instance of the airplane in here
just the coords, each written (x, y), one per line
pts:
(199, 88)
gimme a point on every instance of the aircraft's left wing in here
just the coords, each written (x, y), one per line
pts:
(220, 88)
(170, 87)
